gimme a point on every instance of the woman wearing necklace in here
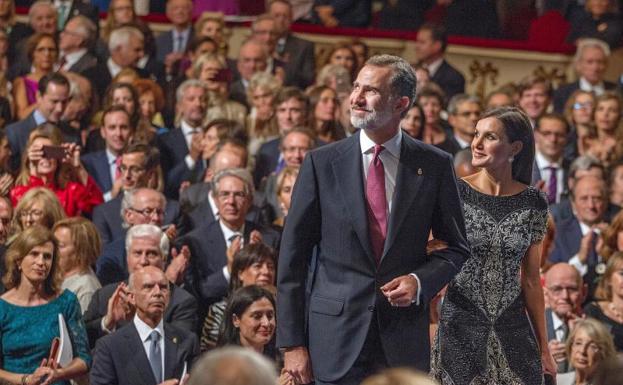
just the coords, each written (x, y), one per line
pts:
(609, 310)
(492, 327)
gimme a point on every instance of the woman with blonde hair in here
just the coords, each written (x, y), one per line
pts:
(212, 25)
(30, 312)
(79, 246)
(261, 121)
(39, 206)
(608, 309)
(64, 175)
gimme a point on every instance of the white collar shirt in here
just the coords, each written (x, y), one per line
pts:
(144, 331)
(390, 157)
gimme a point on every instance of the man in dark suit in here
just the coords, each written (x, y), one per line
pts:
(564, 294)
(213, 245)
(550, 170)
(252, 58)
(591, 62)
(180, 148)
(54, 96)
(463, 113)
(103, 165)
(138, 168)
(171, 45)
(139, 206)
(291, 111)
(361, 238)
(148, 351)
(297, 53)
(68, 9)
(430, 47)
(75, 41)
(109, 308)
(343, 13)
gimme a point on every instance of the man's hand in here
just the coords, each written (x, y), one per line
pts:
(296, 362)
(236, 244)
(255, 237)
(171, 232)
(179, 263)
(558, 350)
(116, 187)
(401, 291)
(196, 147)
(585, 246)
(119, 308)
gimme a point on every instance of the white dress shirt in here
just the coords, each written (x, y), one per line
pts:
(598, 88)
(390, 157)
(177, 47)
(113, 67)
(188, 132)
(545, 172)
(72, 58)
(434, 66)
(112, 168)
(144, 332)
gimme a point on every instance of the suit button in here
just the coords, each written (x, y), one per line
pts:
(370, 308)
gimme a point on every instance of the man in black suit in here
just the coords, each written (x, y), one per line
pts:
(291, 111)
(138, 206)
(103, 165)
(148, 351)
(361, 238)
(463, 113)
(213, 245)
(171, 45)
(53, 98)
(297, 53)
(68, 9)
(75, 41)
(126, 46)
(430, 47)
(180, 148)
(252, 58)
(564, 294)
(109, 308)
(138, 168)
(591, 62)
(551, 169)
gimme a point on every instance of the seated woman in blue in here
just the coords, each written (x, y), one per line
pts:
(29, 314)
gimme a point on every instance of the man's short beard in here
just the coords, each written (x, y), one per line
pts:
(371, 120)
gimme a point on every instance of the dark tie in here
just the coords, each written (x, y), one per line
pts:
(552, 185)
(155, 357)
(377, 204)
(180, 44)
(563, 366)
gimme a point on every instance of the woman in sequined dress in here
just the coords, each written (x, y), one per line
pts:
(485, 334)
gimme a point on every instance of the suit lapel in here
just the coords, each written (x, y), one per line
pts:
(171, 341)
(349, 176)
(408, 180)
(139, 357)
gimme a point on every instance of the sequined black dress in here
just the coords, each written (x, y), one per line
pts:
(484, 335)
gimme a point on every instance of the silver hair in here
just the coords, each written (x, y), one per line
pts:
(241, 173)
(214, 368)
(403, 80)
(590, 43)
(148, 231)
(583, 163)
(121, 36)
(40, 3)
(458, 99)
(87, 29)
(128, 202)
(190, 83)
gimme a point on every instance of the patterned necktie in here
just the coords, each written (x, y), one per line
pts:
(377, 204)
(117, 168)
(552, 184)
(155, 356)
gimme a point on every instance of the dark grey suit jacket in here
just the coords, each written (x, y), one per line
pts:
(181, 312)
(300, 65)
(450, 80)
(328, 220)
(120, 357)
(86, 62)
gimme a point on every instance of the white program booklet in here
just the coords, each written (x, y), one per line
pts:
(65, 351)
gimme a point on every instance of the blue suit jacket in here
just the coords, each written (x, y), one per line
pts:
(96, 164)
(567, 240)
(120, 357)
(328, 218)
(266, 160)
(204, 277)
(164, 44)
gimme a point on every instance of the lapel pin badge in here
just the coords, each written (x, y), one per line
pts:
(419, 171)
(174, 340)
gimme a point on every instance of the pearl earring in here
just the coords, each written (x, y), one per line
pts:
(511, 159)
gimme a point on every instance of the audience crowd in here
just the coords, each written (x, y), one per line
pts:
(145, 180)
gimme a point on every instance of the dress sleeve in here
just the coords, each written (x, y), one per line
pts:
(77, 330)
(86, 197)
(538, 225)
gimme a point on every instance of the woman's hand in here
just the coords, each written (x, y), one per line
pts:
(45, 374)
(286, 378)
(72, 154)
(35, 152)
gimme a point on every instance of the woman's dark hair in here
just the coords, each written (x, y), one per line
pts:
(332, 127)
(422, 119)
(517, 128)
(238, 303)
(247, 256)
(108, 100)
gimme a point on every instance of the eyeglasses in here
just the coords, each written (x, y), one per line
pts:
(36, 214)
(590, 346)
(585, 105)
(238, 195)
(132, 169)
(558, 290)
(148, 212)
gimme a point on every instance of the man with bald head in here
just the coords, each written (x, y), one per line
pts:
(252, 58)
(564, 293)
(157, 351)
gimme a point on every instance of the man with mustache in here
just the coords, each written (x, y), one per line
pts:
(147, 351)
